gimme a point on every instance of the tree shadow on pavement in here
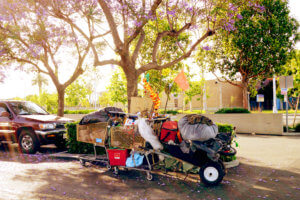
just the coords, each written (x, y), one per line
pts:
(72, 181)
(11, 152)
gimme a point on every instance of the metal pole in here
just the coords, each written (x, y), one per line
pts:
(221, 98)
(286, 107)
(204, 92)
(248, 96)
(274, 96)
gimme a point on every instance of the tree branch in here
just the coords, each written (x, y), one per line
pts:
(226, 81)
(28, 62)
(107, 62)
(112, 24)
(165, 33)
(144, 21)
(154, 65)
(138, 47)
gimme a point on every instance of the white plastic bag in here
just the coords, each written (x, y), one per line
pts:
(147, 133)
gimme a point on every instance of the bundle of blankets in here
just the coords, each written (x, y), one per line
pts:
(197, 128)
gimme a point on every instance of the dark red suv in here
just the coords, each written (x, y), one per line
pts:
(30, 125)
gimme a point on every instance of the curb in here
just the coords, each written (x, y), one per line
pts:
(67, 156)
(231, 164)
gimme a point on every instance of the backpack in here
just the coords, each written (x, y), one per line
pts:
(169, 131)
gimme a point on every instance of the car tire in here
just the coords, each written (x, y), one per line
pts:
(211, 173)
(28, 142)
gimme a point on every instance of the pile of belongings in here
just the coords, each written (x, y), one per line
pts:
(197, 128)
(102, 115)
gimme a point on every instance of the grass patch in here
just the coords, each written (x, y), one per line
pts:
(78, 111)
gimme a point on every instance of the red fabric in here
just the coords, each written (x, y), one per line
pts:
(117, 157)
(169, 131)
(182, 81)
(172, 125)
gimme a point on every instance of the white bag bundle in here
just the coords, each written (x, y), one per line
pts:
(147, 133)
(199, 132)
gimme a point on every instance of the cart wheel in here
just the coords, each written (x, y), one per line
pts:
(211, 173)
(149, 176)
(82, 162)
(108, 166)
(116, 170)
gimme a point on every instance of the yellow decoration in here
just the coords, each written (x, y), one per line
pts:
(153, 95)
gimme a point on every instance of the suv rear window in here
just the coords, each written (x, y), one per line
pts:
(27, 108)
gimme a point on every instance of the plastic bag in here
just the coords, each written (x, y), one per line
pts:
(199, 131)
(134, 160)
(147, 133)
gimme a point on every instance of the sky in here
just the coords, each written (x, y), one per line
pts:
(19, 84)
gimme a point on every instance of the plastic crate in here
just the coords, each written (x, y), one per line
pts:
(117, 157)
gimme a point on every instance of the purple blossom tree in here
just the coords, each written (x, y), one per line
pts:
(122, 25)
(30, 36)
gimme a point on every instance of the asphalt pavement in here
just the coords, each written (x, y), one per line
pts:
(269, 169)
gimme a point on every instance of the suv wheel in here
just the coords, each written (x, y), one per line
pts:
(28, 142)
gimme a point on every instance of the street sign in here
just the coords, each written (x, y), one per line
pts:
(260, 98)
(283, 91)
(285, 98)
(286, 82)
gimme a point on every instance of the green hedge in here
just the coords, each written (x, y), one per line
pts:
(79, 147)
(78, 111)
(232, 110)
(173, 112)
(225, 128)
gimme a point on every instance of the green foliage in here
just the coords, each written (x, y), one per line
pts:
(196, 88)
(168, 50)
(257, 48)
(173, 112)
(79, 147)
(105, 99)
(117, 89)
(232, 110)
(77, 93)
(225, 128)
(227, 158)
(297, 127)
(47, 101)
(78, 111)
(292, 67)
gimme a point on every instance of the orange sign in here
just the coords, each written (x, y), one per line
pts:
(182, 81)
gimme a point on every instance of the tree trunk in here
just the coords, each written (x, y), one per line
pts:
(245, 95)
(132, 90)
(61, 101)
(40, 87)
